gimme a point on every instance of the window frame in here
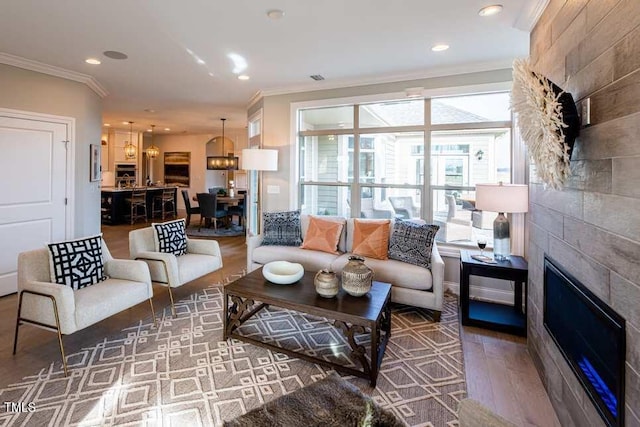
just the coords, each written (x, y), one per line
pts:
(519, 172)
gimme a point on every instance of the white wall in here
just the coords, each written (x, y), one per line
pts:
(31, 91)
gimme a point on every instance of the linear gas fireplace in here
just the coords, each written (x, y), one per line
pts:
(591, 337)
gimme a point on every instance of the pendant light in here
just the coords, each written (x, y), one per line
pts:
(129, 148)
(229, 162)
(152, 150)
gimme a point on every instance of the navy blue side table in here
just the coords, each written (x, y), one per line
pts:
(498, 317)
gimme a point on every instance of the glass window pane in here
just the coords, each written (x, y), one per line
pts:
(465, 158)
(489, 107)
(325, 200)
(326, 158)
(454, 211)
(254, 128)
(405, 203)
(396, 113)
(326, 118)
(391, 158)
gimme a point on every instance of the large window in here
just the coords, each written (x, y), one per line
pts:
(368, 160)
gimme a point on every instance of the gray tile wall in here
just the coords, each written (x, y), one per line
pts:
(592, 227)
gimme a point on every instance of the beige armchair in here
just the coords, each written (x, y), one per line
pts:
(202, 257)
(64, 310)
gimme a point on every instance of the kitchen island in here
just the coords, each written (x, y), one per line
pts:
(115, 209)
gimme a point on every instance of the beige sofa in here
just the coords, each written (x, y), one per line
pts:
(412, 285)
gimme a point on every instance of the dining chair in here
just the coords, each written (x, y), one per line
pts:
(209, 209)
(240, 209)
(187, 204)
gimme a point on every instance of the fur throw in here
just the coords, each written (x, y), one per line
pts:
(330, 402)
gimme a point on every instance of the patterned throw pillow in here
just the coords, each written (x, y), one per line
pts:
(170, 237)
(371, 238)
(77, 263)
(281, 229)
(323, 234)
(412, 243)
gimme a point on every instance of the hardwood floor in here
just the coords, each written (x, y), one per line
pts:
(501, 375)
(499, 370)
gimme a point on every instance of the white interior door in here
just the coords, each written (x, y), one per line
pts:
(33, 164)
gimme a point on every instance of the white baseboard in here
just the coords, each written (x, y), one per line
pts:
(483, 294)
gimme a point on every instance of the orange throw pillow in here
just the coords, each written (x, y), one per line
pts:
(371, 238)
(323, 235)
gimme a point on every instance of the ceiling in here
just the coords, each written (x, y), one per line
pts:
(347, 42)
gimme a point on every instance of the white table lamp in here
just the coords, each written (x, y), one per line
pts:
(502, 198)
(258, 159)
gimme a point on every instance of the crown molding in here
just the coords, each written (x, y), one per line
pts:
(395, 78)
(530, 14)
(52, 70)
(255, 98)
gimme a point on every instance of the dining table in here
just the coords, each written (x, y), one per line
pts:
(231, 201)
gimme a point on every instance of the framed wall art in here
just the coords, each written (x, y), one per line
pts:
(95, 168)
(176, 168)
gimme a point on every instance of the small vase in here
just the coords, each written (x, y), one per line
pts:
(326, 283)
(356, 277)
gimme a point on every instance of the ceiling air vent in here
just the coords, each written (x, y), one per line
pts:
(317, 77)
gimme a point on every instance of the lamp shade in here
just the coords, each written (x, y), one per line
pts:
(258, 159)
(510, 198)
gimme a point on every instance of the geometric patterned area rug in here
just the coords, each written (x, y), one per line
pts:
(183, 374)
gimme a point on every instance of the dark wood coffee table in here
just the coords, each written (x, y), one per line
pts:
(352, 315)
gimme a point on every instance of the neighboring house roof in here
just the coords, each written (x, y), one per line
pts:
(398, 114)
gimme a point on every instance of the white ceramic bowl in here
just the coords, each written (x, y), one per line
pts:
(282, 272)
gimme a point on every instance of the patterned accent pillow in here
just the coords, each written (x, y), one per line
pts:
(170, 237)
(282, 229)
(77, 263)
(412, 242)
(323, 234)
(371, 238)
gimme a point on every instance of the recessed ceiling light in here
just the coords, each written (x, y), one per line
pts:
(107, 124)
(125, 123)
(114, 54)
(243, 77)
(167, 129)
(92, 61)
(275, 14)
(490, 10)
(440, 47)
(239, 63)
(149, 130)
(211, 74)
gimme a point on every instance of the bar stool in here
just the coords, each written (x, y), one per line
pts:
(165, 199)
(138, 203)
